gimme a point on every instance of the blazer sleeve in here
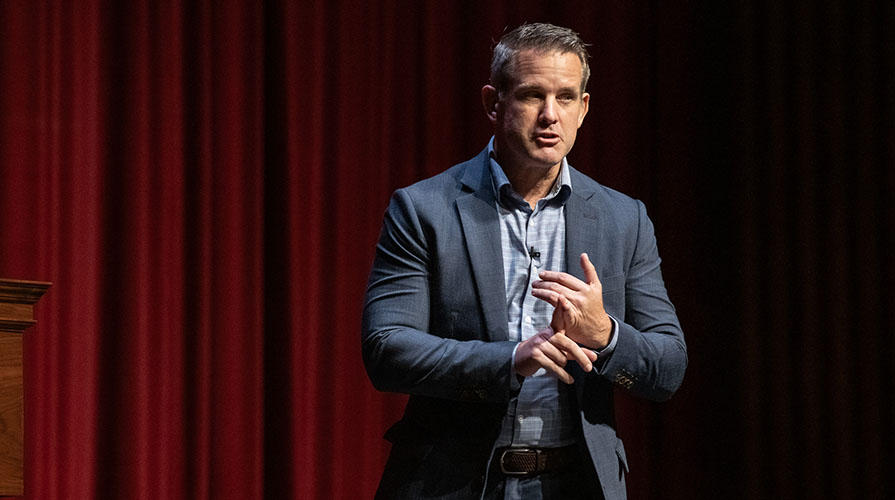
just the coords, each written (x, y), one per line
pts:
(402, 351)
(650, 357)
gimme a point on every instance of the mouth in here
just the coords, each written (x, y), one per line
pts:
(546, 138)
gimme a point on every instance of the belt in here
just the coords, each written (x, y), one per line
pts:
(520, 462)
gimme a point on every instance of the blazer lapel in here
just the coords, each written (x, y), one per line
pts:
(584, 231)
(481, 231)
(584, 227)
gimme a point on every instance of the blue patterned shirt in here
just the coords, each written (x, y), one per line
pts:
(533, 240)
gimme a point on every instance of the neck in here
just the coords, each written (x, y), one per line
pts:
(532, 183)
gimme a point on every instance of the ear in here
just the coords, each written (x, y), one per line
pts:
(491, 102)
(585, 105)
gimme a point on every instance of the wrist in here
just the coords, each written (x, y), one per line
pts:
(603, 334)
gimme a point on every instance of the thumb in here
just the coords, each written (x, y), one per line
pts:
(590, 273)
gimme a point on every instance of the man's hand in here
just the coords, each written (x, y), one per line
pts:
(578, 305)
(551, 351)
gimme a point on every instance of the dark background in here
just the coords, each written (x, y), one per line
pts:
(204, 182)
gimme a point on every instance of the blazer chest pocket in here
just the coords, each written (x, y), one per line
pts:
(614, 295)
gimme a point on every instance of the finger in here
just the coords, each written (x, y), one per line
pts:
(591, 354)
(552, 352)
(546, 361)
(573, 351)
(550, 285)
(561, 303)
(564, 279)
(559, 372)
(565, 377)
(564, 304)
(590, 272)
(548, 296)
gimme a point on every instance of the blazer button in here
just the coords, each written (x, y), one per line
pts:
(624, 379)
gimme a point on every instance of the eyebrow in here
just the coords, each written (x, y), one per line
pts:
(524, 87)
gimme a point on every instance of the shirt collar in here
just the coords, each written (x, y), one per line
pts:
(508, 197)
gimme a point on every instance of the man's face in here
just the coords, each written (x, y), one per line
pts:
(536, 120)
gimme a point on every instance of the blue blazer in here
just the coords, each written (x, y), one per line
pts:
(435, 327)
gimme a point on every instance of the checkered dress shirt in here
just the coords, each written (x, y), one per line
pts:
(533, 240)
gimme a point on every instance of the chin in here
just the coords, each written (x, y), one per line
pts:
(547, 160)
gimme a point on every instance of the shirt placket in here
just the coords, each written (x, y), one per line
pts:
(531, 323)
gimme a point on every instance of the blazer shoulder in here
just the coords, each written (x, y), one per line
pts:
(616, 202)
(444, 181)
(447, 185)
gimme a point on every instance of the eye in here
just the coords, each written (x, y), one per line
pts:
(530, 96)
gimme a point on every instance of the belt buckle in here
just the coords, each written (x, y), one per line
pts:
(521, 451)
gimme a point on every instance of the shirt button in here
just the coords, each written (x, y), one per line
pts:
(528, 320)
(520, 418)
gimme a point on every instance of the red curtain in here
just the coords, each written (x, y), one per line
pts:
(203, 182)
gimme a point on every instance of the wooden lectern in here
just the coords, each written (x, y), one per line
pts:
(17, 299)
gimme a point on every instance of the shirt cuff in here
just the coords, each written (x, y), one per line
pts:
(515, 379)
(605, 353)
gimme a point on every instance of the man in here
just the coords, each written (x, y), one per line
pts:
(510, 294)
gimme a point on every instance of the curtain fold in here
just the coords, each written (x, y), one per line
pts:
(816, 156)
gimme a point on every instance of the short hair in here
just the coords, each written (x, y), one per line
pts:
(540, 37)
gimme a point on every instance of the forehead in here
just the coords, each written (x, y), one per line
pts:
(532, 67)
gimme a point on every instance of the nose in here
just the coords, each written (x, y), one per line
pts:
(548, 111)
